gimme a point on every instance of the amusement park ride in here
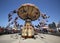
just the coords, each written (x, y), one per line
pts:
(28, 13)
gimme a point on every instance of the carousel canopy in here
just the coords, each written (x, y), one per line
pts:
(28, 11)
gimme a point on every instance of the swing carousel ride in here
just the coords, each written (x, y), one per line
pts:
(28, 13)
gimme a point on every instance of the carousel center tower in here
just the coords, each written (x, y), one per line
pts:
(28, 13)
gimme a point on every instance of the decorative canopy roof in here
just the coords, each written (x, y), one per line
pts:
(28, 11)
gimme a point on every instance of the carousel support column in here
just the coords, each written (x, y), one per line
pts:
(30, 29)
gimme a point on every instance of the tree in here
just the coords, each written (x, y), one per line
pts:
(58, 24)
(52, 25)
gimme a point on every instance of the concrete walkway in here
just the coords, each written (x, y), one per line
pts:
(41, 38)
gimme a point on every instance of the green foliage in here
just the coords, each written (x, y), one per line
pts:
(58, 24)
(53, 25)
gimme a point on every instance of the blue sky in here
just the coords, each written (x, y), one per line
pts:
(50, 7)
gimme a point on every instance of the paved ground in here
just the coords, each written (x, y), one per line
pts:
(41, 38)
(6, 39)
